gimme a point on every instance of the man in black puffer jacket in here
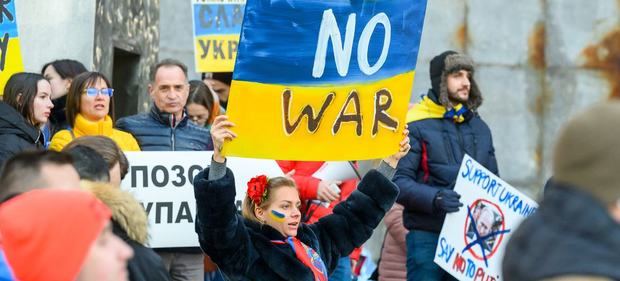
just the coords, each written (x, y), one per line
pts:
(167, 128)
(443, 127)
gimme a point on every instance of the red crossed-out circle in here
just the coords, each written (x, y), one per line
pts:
(497, 242)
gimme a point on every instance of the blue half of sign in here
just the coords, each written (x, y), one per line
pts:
(214, 19)
(279, 40)
(8, 20)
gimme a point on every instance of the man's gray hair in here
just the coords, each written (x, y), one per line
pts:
(168, 63)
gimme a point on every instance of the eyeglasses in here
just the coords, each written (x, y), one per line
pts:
(93, 92)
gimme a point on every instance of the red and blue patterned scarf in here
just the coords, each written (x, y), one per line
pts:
(307, 256)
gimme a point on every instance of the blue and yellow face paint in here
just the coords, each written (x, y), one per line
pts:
(338, 73)
(276, 216)
(11, 59)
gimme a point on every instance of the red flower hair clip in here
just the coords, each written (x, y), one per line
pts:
(257, 189)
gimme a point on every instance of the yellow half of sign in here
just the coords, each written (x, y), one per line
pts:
(263, 131)
(216, 53)
(13, 63)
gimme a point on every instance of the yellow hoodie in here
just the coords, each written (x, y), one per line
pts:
(85, 127)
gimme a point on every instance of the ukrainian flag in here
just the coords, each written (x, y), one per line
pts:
(12, 54)
(277, 78)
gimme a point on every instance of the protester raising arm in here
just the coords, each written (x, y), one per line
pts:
(270, 242)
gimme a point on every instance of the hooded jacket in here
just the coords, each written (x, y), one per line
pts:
(571, 234)
(130, 223)
(16, 133)
(244, 249)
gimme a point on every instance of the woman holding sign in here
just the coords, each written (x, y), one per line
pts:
(89, 103)
(269, 242)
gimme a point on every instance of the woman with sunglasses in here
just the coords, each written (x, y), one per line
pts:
(89, 104)
(27, 106)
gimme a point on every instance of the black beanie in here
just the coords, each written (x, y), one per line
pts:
(437, 67)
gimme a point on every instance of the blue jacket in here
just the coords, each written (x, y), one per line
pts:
(244, 250)
(157, 131)
(437, 149)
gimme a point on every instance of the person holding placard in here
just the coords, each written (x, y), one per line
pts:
(444, 126)
(319, 197)
(269, 242)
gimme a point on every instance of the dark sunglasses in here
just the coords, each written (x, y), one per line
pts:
(92, 92)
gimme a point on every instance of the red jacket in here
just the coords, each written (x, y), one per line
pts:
(308, 186)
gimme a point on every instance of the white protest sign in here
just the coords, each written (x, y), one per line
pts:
(162, 181)
(472, 241)
(336, 171)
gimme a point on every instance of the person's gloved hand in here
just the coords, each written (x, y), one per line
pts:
(447, 200)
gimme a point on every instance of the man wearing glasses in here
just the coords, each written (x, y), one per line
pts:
(166, 127)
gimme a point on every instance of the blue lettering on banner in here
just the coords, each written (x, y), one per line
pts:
(487, 183)
(446, 250)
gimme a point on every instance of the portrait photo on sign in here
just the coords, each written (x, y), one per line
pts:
(484, 220)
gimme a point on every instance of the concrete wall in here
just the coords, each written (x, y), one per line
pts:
(176, 33)
(132, 26)
(50, 30)
(538, 61)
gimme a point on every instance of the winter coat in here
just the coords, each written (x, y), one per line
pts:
(130, 223)
(393, 264)
(308, 187)
(16, 133)
(244, 249)
(85, 127)
(571, 234)
(158, 131)
(437, 149)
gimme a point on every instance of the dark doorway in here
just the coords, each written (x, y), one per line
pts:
(125, 81)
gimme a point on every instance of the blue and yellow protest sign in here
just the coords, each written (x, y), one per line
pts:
(10, 57)
(473, 240)
(217, 24)
(324, 80)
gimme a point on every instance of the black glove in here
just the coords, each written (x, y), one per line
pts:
(447, 200)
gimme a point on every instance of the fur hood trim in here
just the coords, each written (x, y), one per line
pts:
(126, 211)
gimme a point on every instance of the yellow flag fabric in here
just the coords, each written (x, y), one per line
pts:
(427, 109)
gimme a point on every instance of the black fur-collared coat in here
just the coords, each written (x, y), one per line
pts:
(243, 249)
